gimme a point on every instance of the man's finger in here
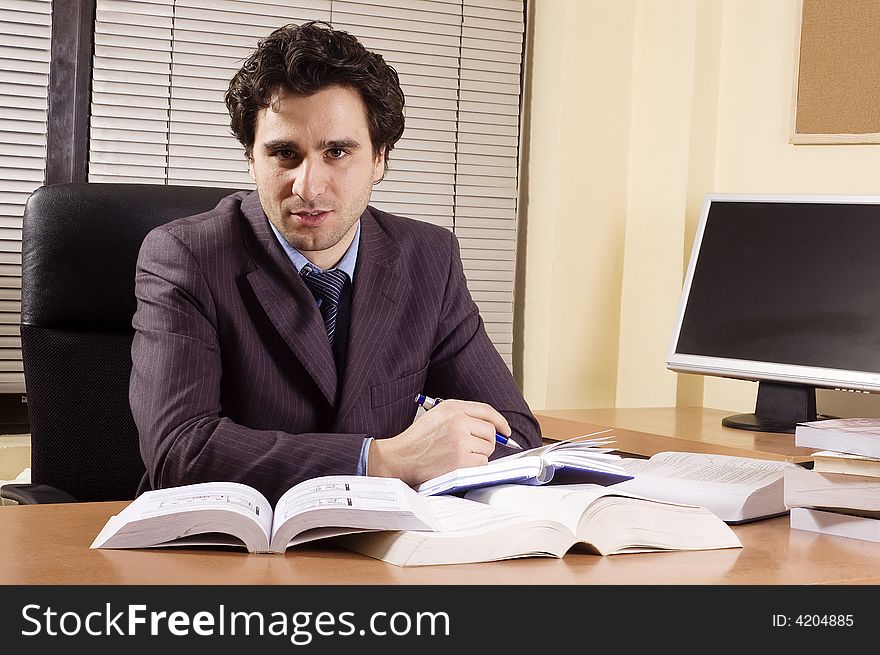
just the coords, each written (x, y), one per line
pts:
(486, 413)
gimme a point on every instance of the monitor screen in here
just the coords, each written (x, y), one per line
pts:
(784, 290)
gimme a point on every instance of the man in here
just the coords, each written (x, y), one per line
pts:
(285, 334)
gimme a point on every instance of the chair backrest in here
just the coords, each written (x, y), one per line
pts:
(79, 248)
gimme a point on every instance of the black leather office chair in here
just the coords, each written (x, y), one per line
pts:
(79, 247)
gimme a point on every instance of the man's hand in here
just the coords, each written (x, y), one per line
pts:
(453, 434)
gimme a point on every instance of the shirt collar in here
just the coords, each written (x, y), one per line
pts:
(346, 264)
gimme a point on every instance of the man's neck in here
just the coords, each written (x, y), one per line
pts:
(346, 262)
(325, 259)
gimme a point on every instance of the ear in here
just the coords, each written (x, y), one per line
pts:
(379, 166)
(250, 161)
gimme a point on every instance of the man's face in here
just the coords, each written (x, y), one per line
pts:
(314, 167)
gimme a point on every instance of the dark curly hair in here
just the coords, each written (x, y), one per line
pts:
(305, 59)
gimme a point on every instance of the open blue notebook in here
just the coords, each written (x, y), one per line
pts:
(578, 460)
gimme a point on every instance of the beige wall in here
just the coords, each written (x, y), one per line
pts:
(575, 187)
(635, 110)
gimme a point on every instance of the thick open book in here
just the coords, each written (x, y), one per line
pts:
(513, 520)
(736, 489)
(233, 514)
(578, 460)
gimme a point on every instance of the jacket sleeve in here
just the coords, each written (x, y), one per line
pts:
(175, 390)
(466, 365)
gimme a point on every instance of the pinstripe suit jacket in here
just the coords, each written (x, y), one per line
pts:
(233, 376)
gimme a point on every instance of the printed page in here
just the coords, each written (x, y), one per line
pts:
(228, 496)
(721, 483)
(614, 522)
(349, 501)
(564, 504)
(468, 532)
(744, 472)
(347, 492)
(454, 514)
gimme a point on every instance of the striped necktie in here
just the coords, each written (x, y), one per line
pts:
(326, 287)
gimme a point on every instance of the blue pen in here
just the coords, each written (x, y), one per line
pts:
(427, 402)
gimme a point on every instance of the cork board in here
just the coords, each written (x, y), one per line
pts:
(837, 85)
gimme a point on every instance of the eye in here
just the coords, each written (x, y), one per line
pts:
(336, 153)
(284, 153)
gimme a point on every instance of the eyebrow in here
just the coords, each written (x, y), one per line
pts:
(343, 144)
(284, 144)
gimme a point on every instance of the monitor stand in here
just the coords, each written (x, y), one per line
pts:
(779, 408)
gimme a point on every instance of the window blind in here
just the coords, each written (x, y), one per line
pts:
(488, 158)
(211, 41)
(25, 33)
(459, 64)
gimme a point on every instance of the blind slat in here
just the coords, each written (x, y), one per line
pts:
(24, 80)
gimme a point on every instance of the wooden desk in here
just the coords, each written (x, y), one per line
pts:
(49, 544)
(645, 431)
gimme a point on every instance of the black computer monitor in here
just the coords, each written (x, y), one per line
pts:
(784, 290)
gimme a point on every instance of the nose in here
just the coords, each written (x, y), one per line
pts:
(308, 182)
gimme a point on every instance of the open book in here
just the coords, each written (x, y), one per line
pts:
(513, 520)
(580, 459)
(233, 514)
(736, 489)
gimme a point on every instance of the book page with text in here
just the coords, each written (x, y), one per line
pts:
(467, 532)
(335, 504)
(564, 504)
(464, 517)
(722, 483)
(701, 467)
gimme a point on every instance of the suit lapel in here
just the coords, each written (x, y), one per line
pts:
(287, 301)
(375, 308)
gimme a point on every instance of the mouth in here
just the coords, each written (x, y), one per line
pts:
(312, 218)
